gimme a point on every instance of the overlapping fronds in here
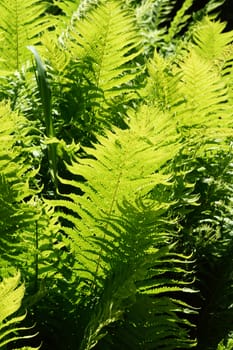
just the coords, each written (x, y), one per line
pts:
(16, 158)
(16, 171)
(97, 39)
(148, 323)
(178, 85)
(101, 61)
(28, 230)
(152, 18)
(162, 82)
(205, 111)
(74, 10)
(142, 201)
(92, 72)
(191, 86)
(215, 46)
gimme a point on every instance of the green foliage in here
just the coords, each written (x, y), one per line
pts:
(21, 24)
(11, 295)
(226, 345)
(116, 174)
(117, 234)
(94, 80)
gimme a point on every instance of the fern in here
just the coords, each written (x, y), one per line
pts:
(226, 345)
(152, 18)
(99, 72)
(28, 230)
(202, 169)
(21, 24)
(11, 295)
(115, 226)
(179, 20)
(140, 203)
(210, 40)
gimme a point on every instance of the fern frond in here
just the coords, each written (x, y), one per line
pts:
(226, 344)
(152, 18)
(195, 73)
(116, 228)
(179, 21)
(162, 82)
(29, 229)
(95, 42)
(11, 295)
(74, 10)
(147, 325)
(21, 24)
(210, 39)
(127, 147)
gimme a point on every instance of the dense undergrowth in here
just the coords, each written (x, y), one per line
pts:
(116, 169)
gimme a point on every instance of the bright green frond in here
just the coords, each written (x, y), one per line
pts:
(21, 24)
(116, 226)
(211, 115)
(106, 38)
(226, 344)
(179, 21)
(114, 176)
(28, 228)
(11, 296)
(162, 82)
(210, 40)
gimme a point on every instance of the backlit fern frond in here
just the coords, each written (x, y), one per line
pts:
(161, 83)
(21, 24)
(178, 84)
(97, 39)
(117, 234)
(102, 197)
(211, 42)
(102, 48)
(195, 73)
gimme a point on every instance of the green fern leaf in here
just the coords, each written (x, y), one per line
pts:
(115, 229)
(179, 21)
(210, 40)
(127, 147)
(21, 24)
(95, 39)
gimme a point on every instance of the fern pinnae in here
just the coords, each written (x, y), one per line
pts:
(210, 39)
(113, 202)
(21, 23)
(116, 219)
(96, 37)
(179, 20)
